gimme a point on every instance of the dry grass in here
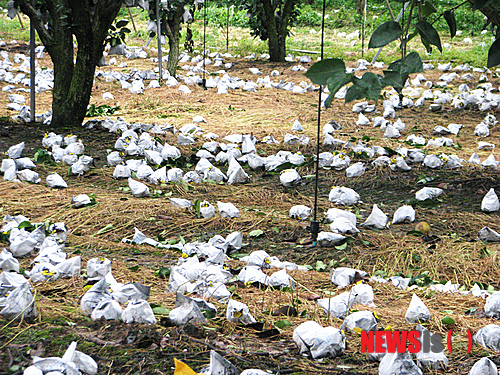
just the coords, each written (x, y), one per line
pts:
(264, 204)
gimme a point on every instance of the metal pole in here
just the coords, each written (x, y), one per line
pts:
(204, 80)
(158, 36)
(132, 19)
(32, 69)
(227, 30)
(315, 222)
(363, 31)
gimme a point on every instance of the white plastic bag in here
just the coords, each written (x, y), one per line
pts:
(490, 202)
(343, 225)
(488, 337)
(289, 178)
(492, 306)
(300, 212)
(108, 309)
(139, 190)
(280, 279)
(185, 311)
(138, 311)
(484, 366)
(238, 312)
(404, 214)
(8, 262)
(355, 170)
(329, 239)
(228, 210)
(98, 292)
(207, 210)
(360, 320)
(343, 276)
(317, 342)
(122, 171)
(428, 193)
(398, 364)
(80, 200)
(54, 180)
(20, 304)
(417, 311)
(343, 196)
(98, 268)
(377, 219)
(431, 360)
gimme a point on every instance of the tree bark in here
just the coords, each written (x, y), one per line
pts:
(173, 31)
(277, 27)
(276, 50)
(73, 81)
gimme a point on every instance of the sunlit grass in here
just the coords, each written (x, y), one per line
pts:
(302, 38)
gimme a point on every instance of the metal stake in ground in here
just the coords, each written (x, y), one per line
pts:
(204, 80)
(32, 69)
(158, 37)
(227, 30)
(315, 222)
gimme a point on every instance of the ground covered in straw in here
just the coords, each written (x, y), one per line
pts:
(264, 204)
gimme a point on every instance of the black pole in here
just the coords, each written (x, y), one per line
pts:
(204, 80)
(158, 37)
(227, 30)
(315, 223)
(32, 69)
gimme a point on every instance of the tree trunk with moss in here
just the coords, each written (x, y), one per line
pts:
(88, 21)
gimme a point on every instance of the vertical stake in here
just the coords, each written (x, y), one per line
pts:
(158, 37)
(315, 222)
(32, 69)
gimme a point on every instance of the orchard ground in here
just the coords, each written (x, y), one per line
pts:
(118, 348)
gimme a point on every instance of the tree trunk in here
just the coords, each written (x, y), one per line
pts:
(174, 36)
(73, 82)
(277, 27)
(274, 41)
(173, 55)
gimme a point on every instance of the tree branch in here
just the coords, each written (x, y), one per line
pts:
(36, 17)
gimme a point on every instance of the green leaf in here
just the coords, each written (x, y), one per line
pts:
(42, 156)
(447, 320)
(320, 266)
(341, 247)
(256, 233)
(368, 86)
(160, 310)
(429, 34)
(135, 268)
(283, 324)
(494, 54)
(449, 16)
(427, 9)
(335, 85)
(392, 78)
(26, 225)
(197, 208)
(385, 34)
(326, 71)
(121, 23)
(163, 272)
(107, 228)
